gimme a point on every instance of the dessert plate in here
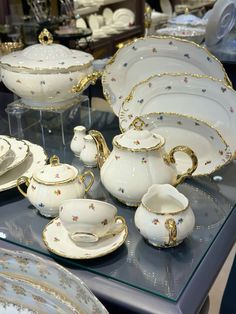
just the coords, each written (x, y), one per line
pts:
(156, 55)
(202, 97)
(124, 16)
(57, 240)
(51, 279)
(206, 142)
(18, 153)
(34, 161)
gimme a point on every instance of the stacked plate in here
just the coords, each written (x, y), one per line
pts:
(183, 94)
(18, 158)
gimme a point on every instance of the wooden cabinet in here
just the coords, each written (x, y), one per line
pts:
(106, 47)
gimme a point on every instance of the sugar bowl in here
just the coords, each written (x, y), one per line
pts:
(53, 184)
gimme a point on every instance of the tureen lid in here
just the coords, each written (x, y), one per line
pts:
(137, 139)
(55, 172)
(47, 56)
(187, 19)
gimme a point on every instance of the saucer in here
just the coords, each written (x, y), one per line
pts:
(57, 241)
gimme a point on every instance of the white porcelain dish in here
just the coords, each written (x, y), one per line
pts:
(108, 16)
(57, 240)
(166, 7)
(80, 22)
(156, 55)
(189, 20)
(189, 33)
(19, 153)
(43, 74)
(124, 16)
(5, 147)
(51, 279)
(202, 97)
(210, 148)
(34, 161)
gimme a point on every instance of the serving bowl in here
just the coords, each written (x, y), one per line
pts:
(43, 74)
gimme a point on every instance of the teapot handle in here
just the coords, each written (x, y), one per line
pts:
(82, 178)
(171, 159)
(20, 181)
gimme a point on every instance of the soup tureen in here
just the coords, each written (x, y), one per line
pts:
(43, 74)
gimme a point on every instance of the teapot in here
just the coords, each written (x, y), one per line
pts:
(137, 161)
(53, 184)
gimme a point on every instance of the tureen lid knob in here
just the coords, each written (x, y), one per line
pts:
(45, 37)
(54, 160)
(138, 124)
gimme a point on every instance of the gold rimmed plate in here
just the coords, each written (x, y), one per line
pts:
(144, 57)
(57, 241)
(206, 142)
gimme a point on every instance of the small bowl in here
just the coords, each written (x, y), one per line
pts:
(189, 33)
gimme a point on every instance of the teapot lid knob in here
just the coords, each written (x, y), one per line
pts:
(138, 124)
(54, 160)
(45, 37)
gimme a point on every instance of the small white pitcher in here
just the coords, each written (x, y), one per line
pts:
(77, 142)
(89, 153)
(164, 217)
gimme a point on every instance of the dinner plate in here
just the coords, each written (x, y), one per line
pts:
(144, 57)
(34, 161)
(211, 150)
(202, 97)
(57, 240)
(124, 16)
(108, 15)
(18, 153)
(50, 278)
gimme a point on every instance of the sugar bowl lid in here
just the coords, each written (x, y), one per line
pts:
(136, 138)
(55, 173)
(47, 56)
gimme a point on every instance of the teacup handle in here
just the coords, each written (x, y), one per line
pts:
(82, 178)
(171, 159)
(91, 237)
(171, 227)
(20, 181)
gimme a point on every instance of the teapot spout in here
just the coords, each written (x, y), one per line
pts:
(102, 148)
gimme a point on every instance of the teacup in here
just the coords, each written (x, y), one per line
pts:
(88, 220)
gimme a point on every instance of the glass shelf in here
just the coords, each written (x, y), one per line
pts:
(162, 272)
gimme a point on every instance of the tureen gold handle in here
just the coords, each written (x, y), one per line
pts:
(82, 178)
(20, 181)
(45, 37)
(86, 81)
(171, 227)
(169, 158)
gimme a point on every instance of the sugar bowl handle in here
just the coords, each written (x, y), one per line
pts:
(20, 181)
(83, 176)
(169, 158)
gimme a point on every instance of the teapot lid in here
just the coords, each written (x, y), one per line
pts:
(55, 173)
(138, 139)
(47, 56)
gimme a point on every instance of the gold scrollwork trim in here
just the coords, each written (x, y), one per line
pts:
(112, 60)
(113, 248)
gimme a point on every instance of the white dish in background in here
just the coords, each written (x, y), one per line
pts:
(205, 98)
(34, 161)
(166, 7)
(93, 22)
(210, 148)
(50, 279)
(80, 22)
(124, 16)
(108, 16)
(19, 153)
(57, 240)
(156, 55)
